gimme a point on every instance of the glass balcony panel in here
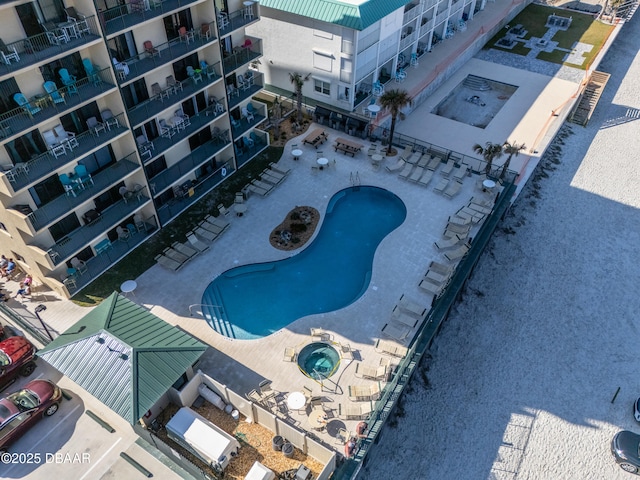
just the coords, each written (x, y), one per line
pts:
(244, 124)
(42, 165)
(62, 205)
(240, 95)
(127, 14)
(238, 19)
(246, 153)
(37, 48)
(43, 107)
(242, 55)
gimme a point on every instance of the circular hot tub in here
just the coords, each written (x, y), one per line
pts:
(318, 360)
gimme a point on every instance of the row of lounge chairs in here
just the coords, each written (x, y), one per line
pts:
(406, 315)
(436, 278)
(210, 228)
(175, 256)
(269, 179)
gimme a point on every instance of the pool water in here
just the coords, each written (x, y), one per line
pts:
(318, 360)
(253, 301)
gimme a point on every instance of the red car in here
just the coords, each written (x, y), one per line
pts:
(20, 410)
(16, 358)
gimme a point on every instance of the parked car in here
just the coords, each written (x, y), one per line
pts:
(21, 410)
(17, 356)
(636, 410)
(624, 447)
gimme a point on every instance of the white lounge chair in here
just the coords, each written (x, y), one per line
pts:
(425, 178)
(461, 172)
(196, 242)
(434, 162)
(391, 348)
(458, 253)
(321, 334)
(185, 249)
(357, 411)
(206, 234)
(345, 351)
(361, 393)
(442, 184)
(430, 287)
(447, 242)
(290, 354)
(448, 168)
(401, 317)
(369, 371)
(398, 166)
(416, 174)
(168, 263)
(406, 171)
(412, 307)
(452, 189)
(396, 331)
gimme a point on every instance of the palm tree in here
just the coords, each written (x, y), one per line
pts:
(298, 82)
(394, 101)
(513, 150)
(489, 152)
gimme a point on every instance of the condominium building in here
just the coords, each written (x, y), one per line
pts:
(115, 117)
(353, 47)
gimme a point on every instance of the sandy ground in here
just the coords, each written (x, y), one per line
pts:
(519, 384)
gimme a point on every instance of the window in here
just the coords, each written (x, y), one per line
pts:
(321, 86)
(323, 61)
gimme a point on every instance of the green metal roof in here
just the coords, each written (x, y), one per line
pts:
(123, 355)
(357, 17)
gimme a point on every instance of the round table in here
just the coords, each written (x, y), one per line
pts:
(488, 184)
(128, 286)
(322, 162)
(376, 158)
(240, 209)
(296, 154)
(374, 109)
(296, 400)
(317, 419)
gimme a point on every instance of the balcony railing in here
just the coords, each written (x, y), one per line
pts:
(20, 119)
(241, 95)
(78, 239)
(131, 13)
(366, 41)
(242, 56)
(150, 108)
(238, 19)
(42, 165)
(63, 204)
(408, 40)
(97, 265)
(202, 186)
(163, 54)
(244, 125)
(410, 14)
(162, 144)
(37, 48)
(260, 142)
(190, 162)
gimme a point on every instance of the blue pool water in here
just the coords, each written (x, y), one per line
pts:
(318, 360)
(253, 301)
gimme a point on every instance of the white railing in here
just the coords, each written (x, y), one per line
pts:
(367, 40)
(411, 14)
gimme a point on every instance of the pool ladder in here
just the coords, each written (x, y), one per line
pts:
(203, 305)
(354, 180)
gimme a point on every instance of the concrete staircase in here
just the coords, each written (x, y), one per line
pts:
(589, 98)
(476, 83)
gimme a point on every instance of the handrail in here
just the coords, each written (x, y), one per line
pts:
(202, 305)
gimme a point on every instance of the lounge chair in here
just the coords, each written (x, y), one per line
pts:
(358, 411)
(254, 396)
(416, 175)
(424, 160)
(459, 220)
(261, 184)
(361, 393)
(398, 166)
(264, 176)
(168, 263)
(196, 242)
(369, 371)
(442, 184)
(482, 202)
(458, 253)
(206, 234)
(219, 221)
(185, 249)
(452, 189)
(461, 172)
(411, 307)
(447, 242)
(290, 354)
(434, 162)
(406, 153)
(479, 208)
(437, 278)
(391, 348)
(401, 317)
(321, 334)
(396, 331)
(260, 191)
(279, 168)
(415, 158)
(448, 168)
(175, 255)
(425, 178)
(210, 227)
(458, 229)
(406, 171)
(431, 287)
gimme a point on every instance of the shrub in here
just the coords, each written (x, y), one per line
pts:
(298, 228)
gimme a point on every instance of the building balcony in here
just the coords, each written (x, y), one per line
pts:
(242, 55)
(134, 12)
(200, 188)
(411, 12)
(41, 166)
(229, 23)
(190, 162)
(97, 265)
(163, 143)
(408, 40)
(62, 205)
(150, 108)
(109, 218)
(245, 152)
(237, 96)
(243, 125)
(163, 54)
(42, 107)
(38, 48)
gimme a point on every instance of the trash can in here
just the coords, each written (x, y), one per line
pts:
(287, 450)
(235, 414)
(277, 442)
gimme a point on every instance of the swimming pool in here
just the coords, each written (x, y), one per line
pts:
(253, 301)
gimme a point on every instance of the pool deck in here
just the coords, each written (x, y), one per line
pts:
(400, 262)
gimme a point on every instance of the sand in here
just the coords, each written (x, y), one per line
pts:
(520, 382)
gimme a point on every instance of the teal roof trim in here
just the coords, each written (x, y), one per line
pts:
(123, 355)
(356, 17)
